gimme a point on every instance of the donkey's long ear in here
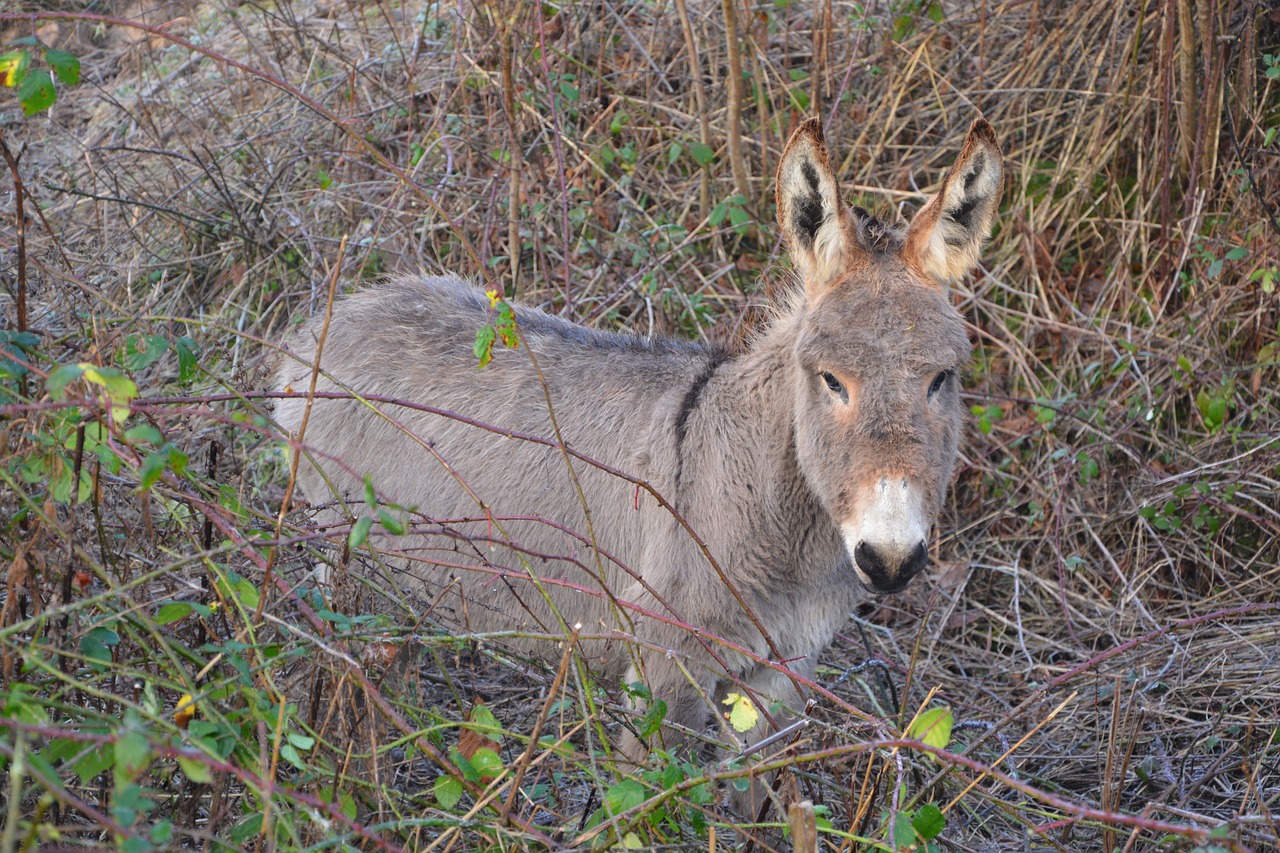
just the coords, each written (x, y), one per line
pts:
(810, 212)
(945, 237)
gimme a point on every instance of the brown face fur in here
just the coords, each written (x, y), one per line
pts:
(878, 349)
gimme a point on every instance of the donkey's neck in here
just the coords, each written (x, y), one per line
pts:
(739, 459)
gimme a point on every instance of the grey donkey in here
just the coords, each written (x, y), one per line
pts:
(794, 477)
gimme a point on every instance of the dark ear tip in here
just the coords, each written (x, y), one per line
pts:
(983, 130)
(812, 128)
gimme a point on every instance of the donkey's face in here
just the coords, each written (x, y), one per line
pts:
(878, 348)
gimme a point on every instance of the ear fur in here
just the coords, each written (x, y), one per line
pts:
(810, 212)
(945, 237)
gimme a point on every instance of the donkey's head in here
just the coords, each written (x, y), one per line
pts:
(878, 347)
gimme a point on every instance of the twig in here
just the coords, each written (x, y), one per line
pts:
(20, 223)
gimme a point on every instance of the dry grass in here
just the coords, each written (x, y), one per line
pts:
(1104, 607)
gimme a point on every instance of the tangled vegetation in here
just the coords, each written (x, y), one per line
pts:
(1092, 664)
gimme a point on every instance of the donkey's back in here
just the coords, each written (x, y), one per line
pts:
(497, 510)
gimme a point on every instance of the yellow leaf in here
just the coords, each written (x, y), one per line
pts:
(631, 841)
(932, 727)
(742, 713)
(185, 711)
(495, 296)
(116, 387)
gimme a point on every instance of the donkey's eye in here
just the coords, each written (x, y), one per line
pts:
(832, 382)
(939, 381)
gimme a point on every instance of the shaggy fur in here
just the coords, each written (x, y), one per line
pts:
(842, 420)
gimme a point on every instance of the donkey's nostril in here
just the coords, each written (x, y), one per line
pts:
(917, 560)
(890, 572)
(871, 563)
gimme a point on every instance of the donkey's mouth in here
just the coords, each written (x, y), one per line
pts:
(884, 591)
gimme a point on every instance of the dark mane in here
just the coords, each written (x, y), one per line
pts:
(875, 234)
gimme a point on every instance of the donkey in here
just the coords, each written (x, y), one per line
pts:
(811, 467)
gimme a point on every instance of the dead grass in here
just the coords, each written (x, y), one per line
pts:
(1104, 607)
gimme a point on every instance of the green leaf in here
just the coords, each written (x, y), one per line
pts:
(132, 754)
(62, 376)
(487, 762)
(934, 12)
(161, 832)
(15, 345)
(717, 215)
(929, 822)
(448, 791)
(36, 92)
(20, 705)
(483, 347)
(933, 727)
(142, 351)
(173, 612)
(904, 834)
(65, 65)
(290, 754)
(359, 532)
(370, 496)
(323, 178)
(247, 593)
(246, 829)
(674, 152)
(702, 154)
(151, 468)
(97, 760)
(903, 26)
(177, 461)
(196, 771)
(483, 721)
(1213, 408)
(651, 722)
(302, 742)
(390, 523)
(96, 646)
(1239, 253)
(188, 350)
(625, 795)
(142, 434)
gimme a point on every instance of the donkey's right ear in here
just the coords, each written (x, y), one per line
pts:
(810, 212)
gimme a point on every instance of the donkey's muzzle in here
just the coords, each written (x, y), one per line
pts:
(889, 571)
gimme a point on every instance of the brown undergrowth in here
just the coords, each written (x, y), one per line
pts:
(1102, 622)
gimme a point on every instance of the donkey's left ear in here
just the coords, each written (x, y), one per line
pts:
(945, 237)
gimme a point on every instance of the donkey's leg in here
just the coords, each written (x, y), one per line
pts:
(686, 701)
(770, 684)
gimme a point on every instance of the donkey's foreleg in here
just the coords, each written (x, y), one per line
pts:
(769, 684)
(687, 707)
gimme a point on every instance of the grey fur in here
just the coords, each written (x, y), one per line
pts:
(763, 461)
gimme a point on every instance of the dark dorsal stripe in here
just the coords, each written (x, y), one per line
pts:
(688, 404)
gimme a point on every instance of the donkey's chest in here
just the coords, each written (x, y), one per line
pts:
(803, 624)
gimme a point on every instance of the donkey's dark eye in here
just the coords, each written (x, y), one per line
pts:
(832, 382)
(939, 381)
